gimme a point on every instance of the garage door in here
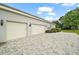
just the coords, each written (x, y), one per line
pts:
(37, 29)
(16, 30)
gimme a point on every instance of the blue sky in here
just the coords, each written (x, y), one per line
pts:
(48, 11)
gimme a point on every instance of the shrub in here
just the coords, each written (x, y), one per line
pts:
(53, 30)
(48, 31)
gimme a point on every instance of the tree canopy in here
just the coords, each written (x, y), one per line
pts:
(70, 19)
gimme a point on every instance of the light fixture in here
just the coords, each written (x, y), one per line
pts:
(1, 22)
(29, 25)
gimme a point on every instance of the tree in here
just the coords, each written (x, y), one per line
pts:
(70, 20)
(57, 24)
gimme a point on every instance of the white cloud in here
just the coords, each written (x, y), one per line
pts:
(57, 3)
(39, 12)
(51, 13)
(47, 10)
(68, 10)
(57, 18)
(49, 18)
(68, 4)
(78, 5)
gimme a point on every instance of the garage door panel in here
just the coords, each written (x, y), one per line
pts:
(15, 30)
(37, 29)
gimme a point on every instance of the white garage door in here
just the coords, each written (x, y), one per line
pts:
(16, 30)
(37, 29)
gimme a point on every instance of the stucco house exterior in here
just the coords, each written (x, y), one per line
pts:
(16, 24)
(53, 24)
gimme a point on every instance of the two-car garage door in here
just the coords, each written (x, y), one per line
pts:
(37, 29)
(16, 30)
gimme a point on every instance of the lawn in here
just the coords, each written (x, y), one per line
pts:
(71, 31)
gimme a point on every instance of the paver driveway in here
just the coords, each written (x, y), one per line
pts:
(43, 44)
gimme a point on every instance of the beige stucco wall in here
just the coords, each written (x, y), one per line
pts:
(53, 25)
(2, 31)
(35, 21)
(7, 15)
(16, 17)
(11, 16)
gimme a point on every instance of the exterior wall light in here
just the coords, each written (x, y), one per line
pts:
(29, 25)
(1, 22)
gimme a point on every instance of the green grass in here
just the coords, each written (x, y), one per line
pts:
(71, 31)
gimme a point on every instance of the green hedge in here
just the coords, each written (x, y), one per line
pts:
(53, 30)
(48, 31)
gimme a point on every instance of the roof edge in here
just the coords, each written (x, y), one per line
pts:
(40, 19)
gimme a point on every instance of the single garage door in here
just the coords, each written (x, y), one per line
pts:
(16, 30)
(37, 29)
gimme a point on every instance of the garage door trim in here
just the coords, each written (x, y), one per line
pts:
(16, 22)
